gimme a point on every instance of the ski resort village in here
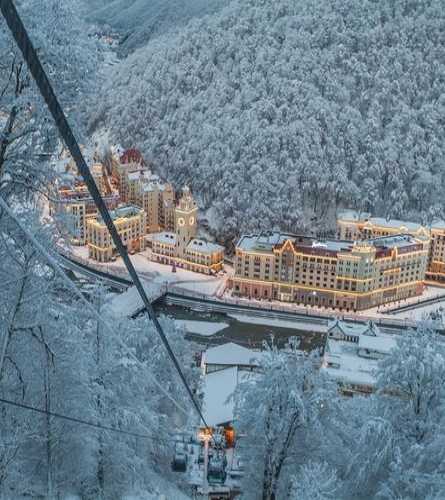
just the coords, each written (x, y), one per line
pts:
(343, 301)
(222, 250)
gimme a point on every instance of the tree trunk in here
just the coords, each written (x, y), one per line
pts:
(100, 462)
(4, 138)
(49, 475)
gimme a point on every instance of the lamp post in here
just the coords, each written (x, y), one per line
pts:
(205, 434)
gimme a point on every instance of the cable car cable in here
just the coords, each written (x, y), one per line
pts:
(24, 43)
(71, 286)
(80, 421)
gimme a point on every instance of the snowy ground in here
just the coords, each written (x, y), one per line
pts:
(160, 274)
(418, 313)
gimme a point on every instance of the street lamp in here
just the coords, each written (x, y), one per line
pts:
(205, 435)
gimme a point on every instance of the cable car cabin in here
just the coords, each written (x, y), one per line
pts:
(179, 463)
(216, 472)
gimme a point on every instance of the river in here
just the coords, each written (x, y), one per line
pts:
(241, 332)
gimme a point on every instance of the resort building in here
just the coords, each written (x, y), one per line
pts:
(337, 274)
(354, 225)
(436, 262)
(125, 171)
(98, 176)
(76, 205)
(352, 353)
(130, 224)
(181, 247)
(154, 197)
(137, 185)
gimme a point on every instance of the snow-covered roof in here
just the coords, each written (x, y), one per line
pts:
(231, 354)
(352, 369)
(353, 329)
(218, 387)
(125, 211)
(398, 240)
(438, 224)
(333, 245)
(353, 215)
(263, 242)
(349, 366)
(165, 237)
(380, 343)
(203, 246)
(395, 224)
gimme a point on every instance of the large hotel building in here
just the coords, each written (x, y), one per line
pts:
(130, 224)
(353, 225)
(342, 274)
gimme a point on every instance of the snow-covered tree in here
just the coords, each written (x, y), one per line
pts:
(280, 410)
(315, 481)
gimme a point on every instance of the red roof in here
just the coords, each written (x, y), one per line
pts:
(132, 156)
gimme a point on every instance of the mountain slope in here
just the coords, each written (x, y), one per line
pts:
(138, 21)
(278, 111)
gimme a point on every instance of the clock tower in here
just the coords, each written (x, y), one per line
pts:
(185, 221)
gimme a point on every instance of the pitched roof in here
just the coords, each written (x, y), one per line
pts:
(132, 156)
(356, 329)
(382, 343)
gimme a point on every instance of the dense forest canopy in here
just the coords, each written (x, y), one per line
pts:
(138, 21)
(278, 112)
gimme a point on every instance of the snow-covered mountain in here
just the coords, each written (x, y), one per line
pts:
(278, 111)
(138, 21)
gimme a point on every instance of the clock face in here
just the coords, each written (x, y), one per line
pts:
(191, 221)
(181, 221)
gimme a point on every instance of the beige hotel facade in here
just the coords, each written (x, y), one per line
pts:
(337, 274)
(130, 224)
(356, 226)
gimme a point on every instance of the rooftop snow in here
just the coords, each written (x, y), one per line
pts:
(353, 369)
(395, 224)
(204, 246)
(438, 224)
(353, 215)
(332, 245)
(351, 328)
(123, 212)
(263, 242)
(218, 387)
(231, 354)
(399, 240)
(380, 343)
(164, 237)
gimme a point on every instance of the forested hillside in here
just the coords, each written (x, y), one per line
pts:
(138, 21)
(278, 112)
